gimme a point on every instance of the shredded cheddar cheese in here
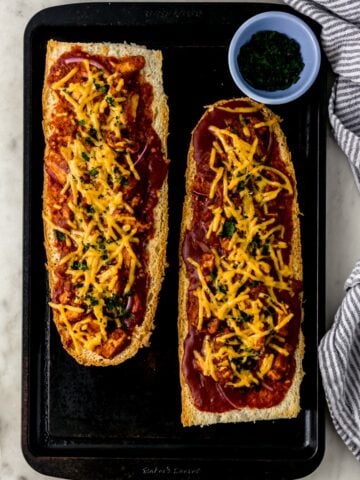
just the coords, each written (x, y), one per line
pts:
(99, 228)
(241, 292)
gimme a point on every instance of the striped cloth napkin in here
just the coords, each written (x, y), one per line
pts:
(339, 350)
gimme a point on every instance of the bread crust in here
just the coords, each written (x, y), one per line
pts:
(156, 247)
(289, 407)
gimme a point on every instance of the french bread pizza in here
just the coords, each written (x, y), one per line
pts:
(241, 283)
(105, 201)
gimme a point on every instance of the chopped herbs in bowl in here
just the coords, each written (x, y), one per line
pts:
(271, 61)
(274, 57)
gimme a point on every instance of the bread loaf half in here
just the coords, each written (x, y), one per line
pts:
(240, 292)
(105, 205)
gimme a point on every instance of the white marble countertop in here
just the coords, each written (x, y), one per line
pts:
(342, 243)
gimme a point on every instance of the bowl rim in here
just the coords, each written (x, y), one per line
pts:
(262, 95)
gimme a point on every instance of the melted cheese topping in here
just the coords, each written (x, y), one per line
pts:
(240, 281)
(102, 229)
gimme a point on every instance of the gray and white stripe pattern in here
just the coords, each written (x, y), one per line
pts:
(339, 350)
(339, 355)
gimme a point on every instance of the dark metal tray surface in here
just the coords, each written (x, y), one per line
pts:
(124, 422)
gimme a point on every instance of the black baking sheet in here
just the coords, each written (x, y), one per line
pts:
(124, 422)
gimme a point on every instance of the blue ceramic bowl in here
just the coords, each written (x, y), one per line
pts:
(294, 28)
